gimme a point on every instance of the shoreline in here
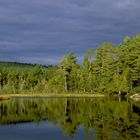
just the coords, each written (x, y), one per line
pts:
(8, 96)
(4, 97)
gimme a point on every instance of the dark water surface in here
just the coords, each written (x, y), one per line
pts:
(69, 119)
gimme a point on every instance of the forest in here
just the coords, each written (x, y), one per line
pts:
(108, 69)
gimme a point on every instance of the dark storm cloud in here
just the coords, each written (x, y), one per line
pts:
(42, 31)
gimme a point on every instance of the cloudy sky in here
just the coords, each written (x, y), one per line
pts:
(43, 31)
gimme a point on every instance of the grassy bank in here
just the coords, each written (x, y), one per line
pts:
(8, 96)
(4, 97)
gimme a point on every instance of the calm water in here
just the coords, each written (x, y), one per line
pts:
(69, 119)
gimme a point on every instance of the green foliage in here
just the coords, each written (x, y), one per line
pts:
(135, 90)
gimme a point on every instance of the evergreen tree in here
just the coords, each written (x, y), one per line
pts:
(68, 63)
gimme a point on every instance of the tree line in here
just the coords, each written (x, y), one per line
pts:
(107, 69)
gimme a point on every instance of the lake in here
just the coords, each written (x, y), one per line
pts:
(69, 119)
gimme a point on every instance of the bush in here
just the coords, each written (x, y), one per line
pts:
(135, 90)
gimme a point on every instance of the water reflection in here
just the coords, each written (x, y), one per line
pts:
(73, 118)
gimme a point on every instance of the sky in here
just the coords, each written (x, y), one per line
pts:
(43, 31)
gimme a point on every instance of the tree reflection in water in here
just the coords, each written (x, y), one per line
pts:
(101, 118)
